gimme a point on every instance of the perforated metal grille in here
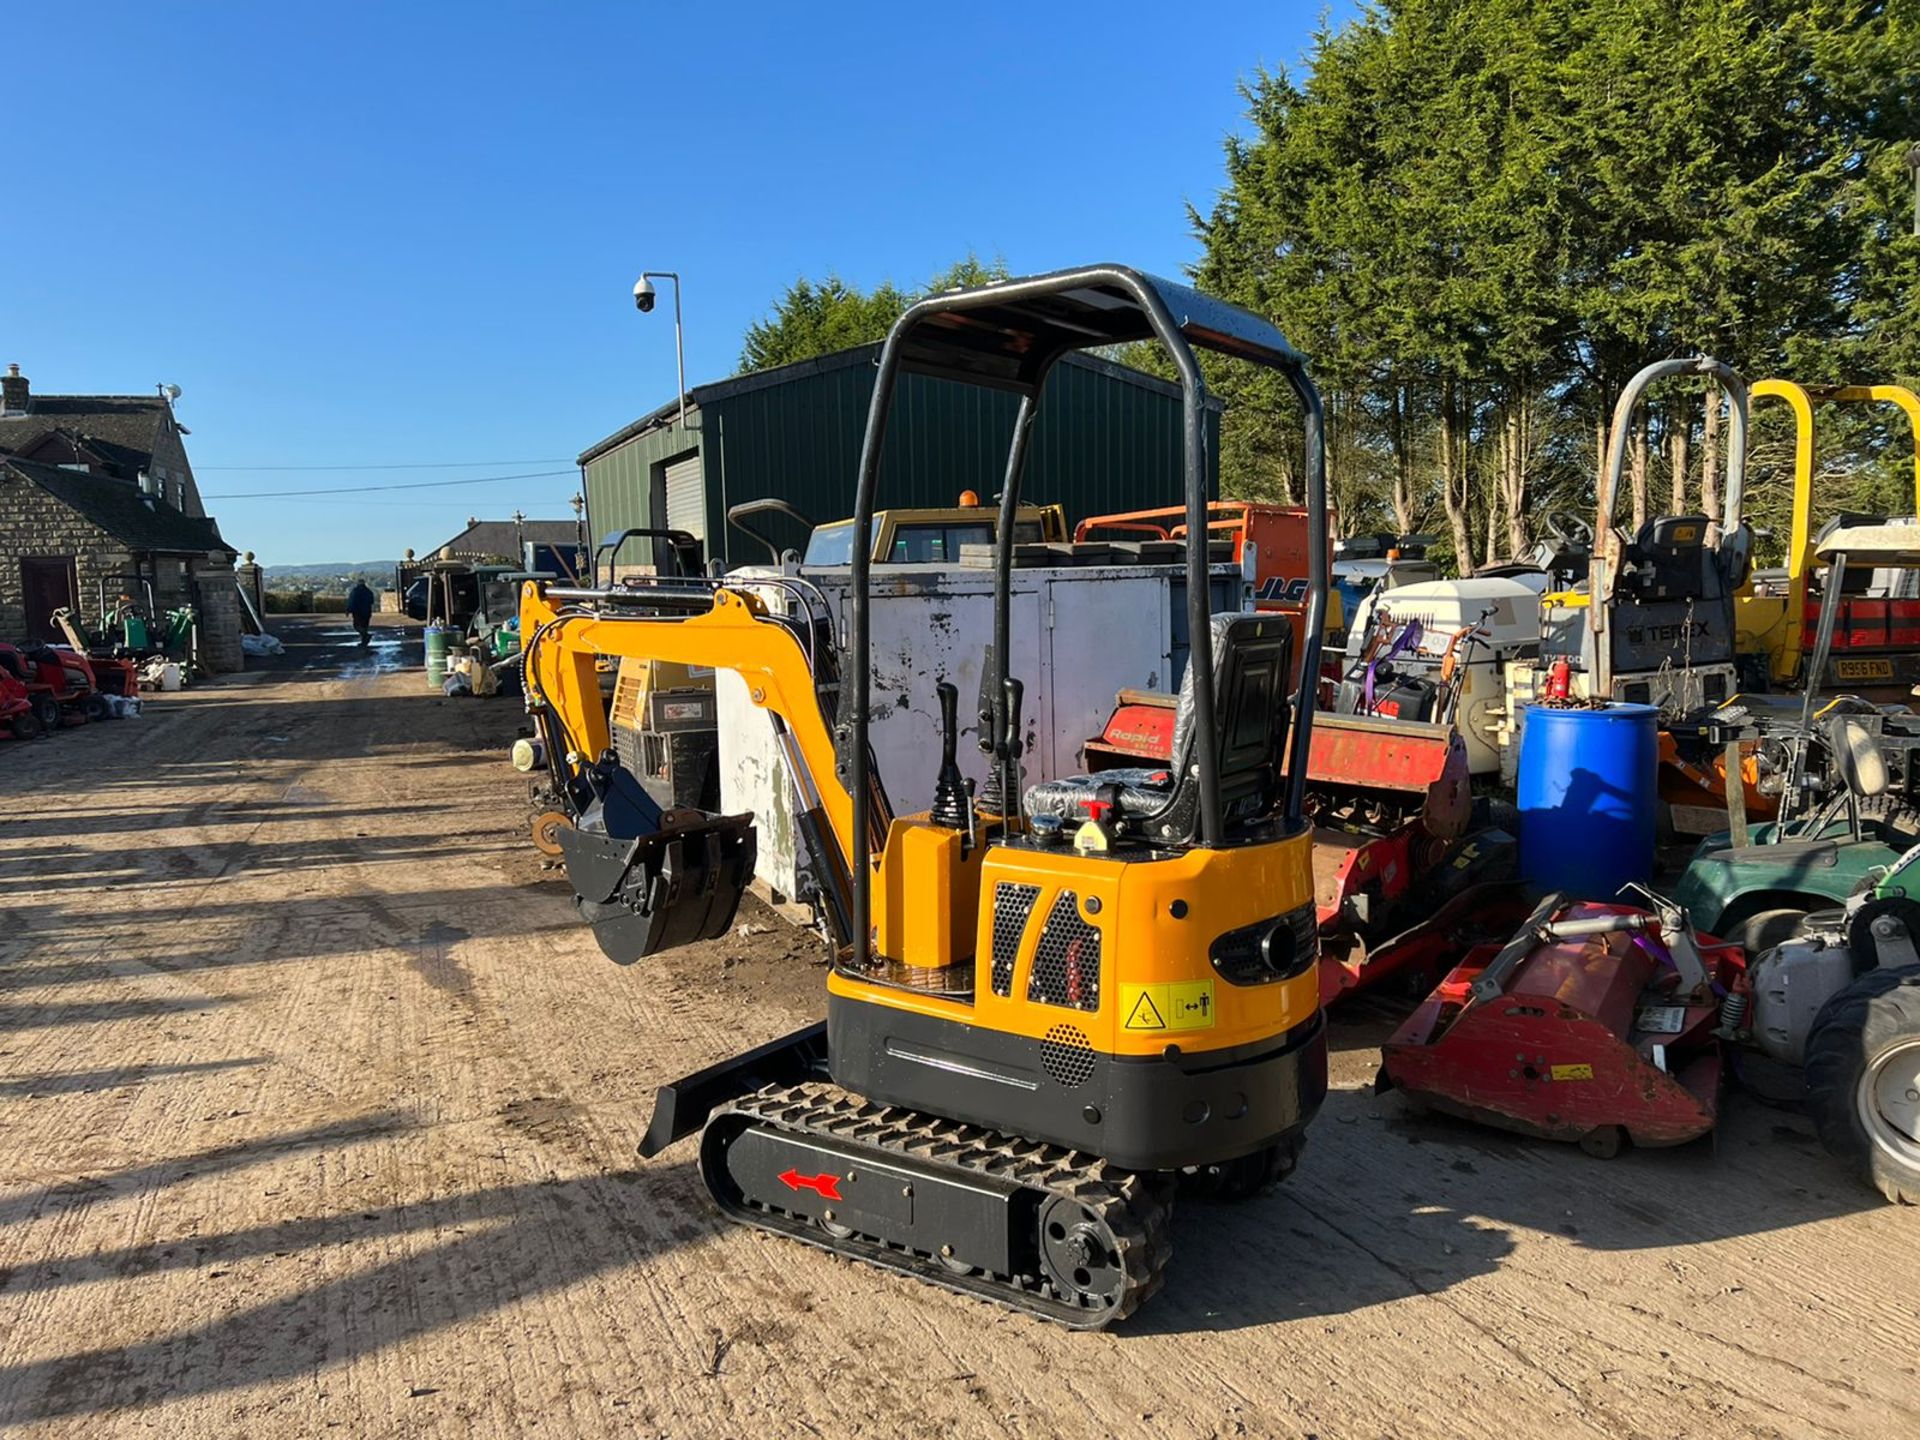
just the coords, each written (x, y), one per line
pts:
(1067, 1055)
(1066, 966)
(1012, 904)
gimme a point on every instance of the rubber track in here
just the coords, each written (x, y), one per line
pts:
(1136, 1208)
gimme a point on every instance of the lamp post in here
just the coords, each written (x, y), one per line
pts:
(579, 503)
(643, 298)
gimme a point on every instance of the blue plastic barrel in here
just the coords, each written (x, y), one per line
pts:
(1588, 796)
(438, 637)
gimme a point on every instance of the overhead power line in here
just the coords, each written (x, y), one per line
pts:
(404, 485)
(423, 465)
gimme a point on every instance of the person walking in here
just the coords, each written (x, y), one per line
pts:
(360, 610)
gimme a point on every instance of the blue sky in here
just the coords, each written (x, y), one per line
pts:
(397, 234)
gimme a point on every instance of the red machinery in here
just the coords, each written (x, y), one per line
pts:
(1392, 810)
(1595, 1023)
(1277, 535)
(114, 671)
(58, 683)
(16, 709)
(109, 674)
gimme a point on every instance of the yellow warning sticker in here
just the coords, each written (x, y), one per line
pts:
(1178, 1005)
(1572, 1072)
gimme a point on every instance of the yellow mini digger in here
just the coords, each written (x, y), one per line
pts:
(1047, 1007)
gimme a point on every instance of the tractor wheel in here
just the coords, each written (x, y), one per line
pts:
(26, 726)
(1863, 1080)
(1762, 931)
(46, 710)
(95, 705)
(1896, 818)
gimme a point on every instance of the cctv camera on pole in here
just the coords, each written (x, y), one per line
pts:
(643, 301)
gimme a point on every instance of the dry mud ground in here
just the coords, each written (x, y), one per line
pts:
(318, 1112)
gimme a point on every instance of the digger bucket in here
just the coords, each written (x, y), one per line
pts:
(673, 887)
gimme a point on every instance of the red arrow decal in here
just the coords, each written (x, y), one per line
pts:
(827, 1187)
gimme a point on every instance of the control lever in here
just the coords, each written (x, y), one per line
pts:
(1009, 748)
(951, 804)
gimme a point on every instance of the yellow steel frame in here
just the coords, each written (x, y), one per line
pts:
(1801, 400)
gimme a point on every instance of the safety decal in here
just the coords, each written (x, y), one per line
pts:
(1177, 1005)
(1572, 1072)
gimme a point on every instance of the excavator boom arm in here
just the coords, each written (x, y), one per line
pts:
(565, 641)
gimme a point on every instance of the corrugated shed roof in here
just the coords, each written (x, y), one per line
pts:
(118, 507)
(837, 360)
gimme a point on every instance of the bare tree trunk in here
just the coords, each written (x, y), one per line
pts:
(1402, 464)
(1453, 479)
(1490, 542)
(1678, 438)
(1516, 463)
(1710, 457)
(1638, 473)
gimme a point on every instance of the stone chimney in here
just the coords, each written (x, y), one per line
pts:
(14, 394)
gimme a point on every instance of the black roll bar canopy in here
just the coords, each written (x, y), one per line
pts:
(748, 510)
(684, 548)
(1008, 336)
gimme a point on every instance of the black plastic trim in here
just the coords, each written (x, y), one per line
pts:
(1156, 1112)
(1277, 948)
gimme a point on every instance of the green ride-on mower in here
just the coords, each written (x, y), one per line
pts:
(1844, 774)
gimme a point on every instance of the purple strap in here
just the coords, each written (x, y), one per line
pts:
(1409, 638)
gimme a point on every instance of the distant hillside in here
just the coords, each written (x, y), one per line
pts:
(331, 577)
(330, 568)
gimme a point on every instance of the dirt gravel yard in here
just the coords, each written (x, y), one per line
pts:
(319, 1114)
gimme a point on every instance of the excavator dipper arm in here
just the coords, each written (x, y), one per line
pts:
(647, 880)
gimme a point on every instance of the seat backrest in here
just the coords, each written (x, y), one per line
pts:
(1252, 671)
(1671, 560)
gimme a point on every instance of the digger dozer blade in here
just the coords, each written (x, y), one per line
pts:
(670, 888)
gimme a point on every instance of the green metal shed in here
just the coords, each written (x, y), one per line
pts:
(1107, 439)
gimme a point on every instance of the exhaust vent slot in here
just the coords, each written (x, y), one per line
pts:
(1066, 966)
(1012, 904)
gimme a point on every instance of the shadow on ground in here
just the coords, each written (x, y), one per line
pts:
(459, 1258)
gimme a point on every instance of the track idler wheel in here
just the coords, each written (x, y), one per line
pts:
(1080, 1254)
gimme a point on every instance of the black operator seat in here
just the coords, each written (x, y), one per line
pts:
(1252, 673)
(1671, 560)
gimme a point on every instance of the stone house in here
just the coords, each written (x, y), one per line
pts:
(98, 499)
